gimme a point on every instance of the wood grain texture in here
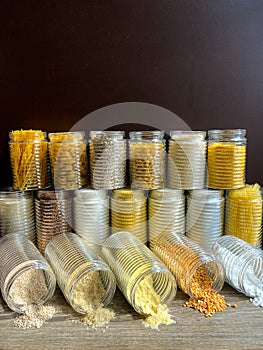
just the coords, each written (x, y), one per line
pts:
(239, 328)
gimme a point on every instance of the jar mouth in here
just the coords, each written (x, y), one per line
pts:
(227, 134)
(66, 136)
(212, 268)
(187, 135)
(162, 282)
(11, 193)
(53, 194)
(206, 194)
(106, 277)
(251, 274)
(150, 135)
(107, 134)
(36, 265)
(91, 194)
(128, 194)
(27, 135)
(166, 193)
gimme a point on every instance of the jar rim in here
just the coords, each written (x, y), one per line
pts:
(27, 135)
(187, 135)
(227, 134)
(109, 134)
(66, 136)
(147, 135)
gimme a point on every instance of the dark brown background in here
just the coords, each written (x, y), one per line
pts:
(203, 60)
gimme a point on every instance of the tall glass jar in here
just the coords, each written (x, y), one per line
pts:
(91, 215)
(244, 214)
(79, 271)
(68, 160)
(185, 258)
(53, 215)
(107, 152)
(132, 263)
(205, 216)
(187, 160)
(129, 212)
(243, 265)
(25, 276)
(29, 159)
(166, 210)
(226, 158)
(17, 213)
(147, 159)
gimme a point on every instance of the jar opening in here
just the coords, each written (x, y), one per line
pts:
(155, 135)
(187, 135)
(227, 134)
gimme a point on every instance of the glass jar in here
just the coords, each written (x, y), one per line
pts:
(185, 258)
(74, 261)
(166, 213)
(25, 276)
(243, 265)
(187, 160)
(53, 215)
(91, 215)
(29, 159)
(17, 213)
(68, 160)
(132, 263)
(147, 159)
(226, 158)
(107, 152)
(129, 212)
(244, 214)
(205, 216)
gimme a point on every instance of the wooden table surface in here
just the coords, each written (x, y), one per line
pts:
(239, 328)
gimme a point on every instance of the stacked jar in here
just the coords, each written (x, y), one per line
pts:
(187, 160)
(25, 276)
(226, 158)
(91, 215)
(68, 159)
(244, 214)
(83, 277)
(147, 159)
(129, 212)
(205, 216)
(53, 215)
(166, 208)
(17, 213)
(107, 152)
(29, 159)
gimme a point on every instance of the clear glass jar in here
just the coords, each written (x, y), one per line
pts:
(107, 152)
(132, 262)
(205, 216)
(68, 160)
(25, 276)
(91, 215)
(53, 215)
(243, 265)
(17, 213)
(29, 159)
(226, 158)
(244, 214)
(184, 258)
(166, 211)
(129, 212)
(73, 260)
(147, 159)
(187, 160)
